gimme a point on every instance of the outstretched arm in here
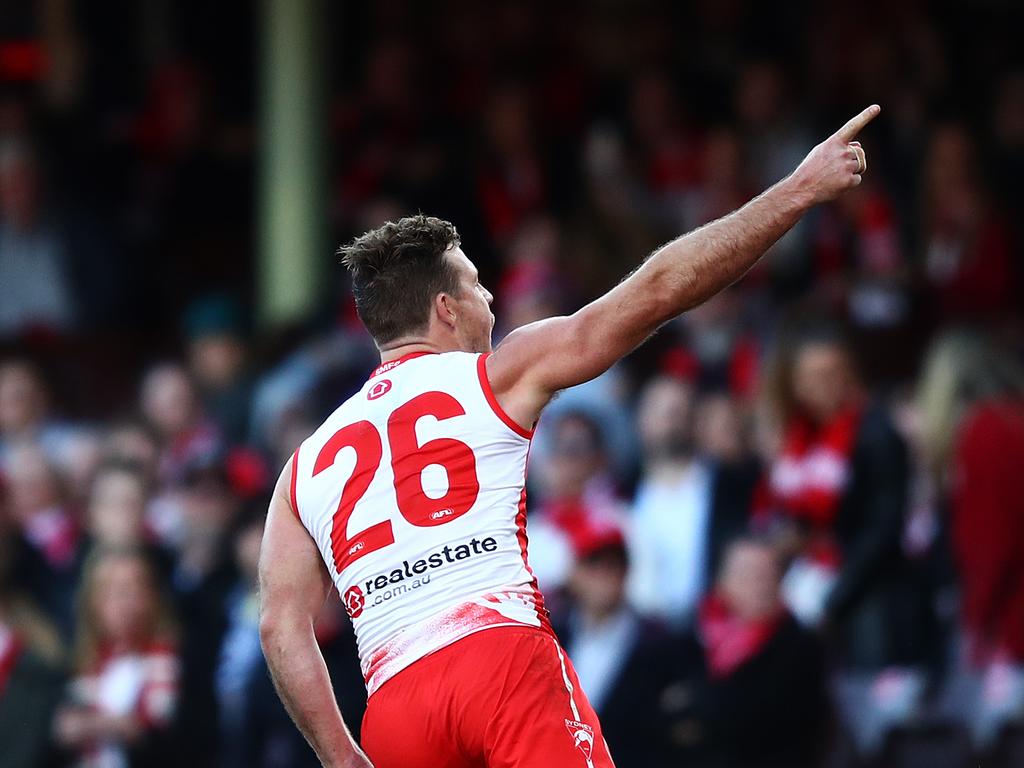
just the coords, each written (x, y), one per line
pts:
(293, 587)
(537, 360)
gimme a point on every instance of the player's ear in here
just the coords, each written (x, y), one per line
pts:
(444, 307)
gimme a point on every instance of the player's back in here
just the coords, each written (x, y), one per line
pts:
(414, 491)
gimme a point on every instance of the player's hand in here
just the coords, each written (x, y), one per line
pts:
(836, 164)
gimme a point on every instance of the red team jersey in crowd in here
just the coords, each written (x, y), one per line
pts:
(414, 492)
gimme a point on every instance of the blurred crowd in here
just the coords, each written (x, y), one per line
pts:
(788, 531)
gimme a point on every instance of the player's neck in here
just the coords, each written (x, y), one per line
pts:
(402, 347)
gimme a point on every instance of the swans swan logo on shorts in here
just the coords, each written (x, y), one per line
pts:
(583, 736)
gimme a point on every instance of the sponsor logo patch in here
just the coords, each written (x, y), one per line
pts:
(354, 601)
(379, 389)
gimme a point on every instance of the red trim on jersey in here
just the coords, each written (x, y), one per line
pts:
(385, 367)
(538, 598)
(295, 480)
(485, 385)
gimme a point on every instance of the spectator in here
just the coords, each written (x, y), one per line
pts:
(24, 414)
(30, 677)
(218, 355)
(512, 182)
(968, 258)
(622, 660)
(123, 695)
(753, 690)
(171, 406)
(686, 507)
(839, 489)
(203, 577)
(240, 653)
(117, 506)
(48, 532)
(34, 259)
(972, 403)
(116, 515)
(576, 488)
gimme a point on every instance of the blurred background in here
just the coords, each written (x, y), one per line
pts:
(788, 531)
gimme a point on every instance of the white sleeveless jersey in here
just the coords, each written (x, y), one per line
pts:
(414, 491)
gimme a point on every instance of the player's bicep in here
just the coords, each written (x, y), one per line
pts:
(560, 352)
(293, 578)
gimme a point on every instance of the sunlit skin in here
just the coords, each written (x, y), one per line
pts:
(472, 305)
(458, 321)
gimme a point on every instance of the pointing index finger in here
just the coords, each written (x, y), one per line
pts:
(857, 123)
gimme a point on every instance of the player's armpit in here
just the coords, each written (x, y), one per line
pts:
(537, 360)
(293, 586)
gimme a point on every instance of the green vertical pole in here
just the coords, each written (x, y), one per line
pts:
(293, 201)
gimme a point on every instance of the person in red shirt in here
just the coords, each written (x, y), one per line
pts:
(972, 406)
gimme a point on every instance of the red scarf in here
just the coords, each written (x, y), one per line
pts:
(729, 640)
(809, 477)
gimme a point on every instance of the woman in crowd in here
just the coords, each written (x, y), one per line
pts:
(972, 407)
(837, 491)
(122, 696)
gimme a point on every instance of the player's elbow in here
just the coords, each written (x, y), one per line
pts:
(270, 628)
(275, 624)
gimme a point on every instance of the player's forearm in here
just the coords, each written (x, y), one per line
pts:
(303, 683)
(693, 268)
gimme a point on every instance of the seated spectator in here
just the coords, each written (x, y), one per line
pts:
(35, 267)
(839, 485)
(48, 533)
(240, 654)
(969, 256)
(575, 486)
(123, 695)
(25, 414)
(218, 353)
(972, 403)
(30, 677)
(171, 406)
(838, 490)
(203, 577)
(752, 690)
(622, 660)
(117, 506)
(687, 505)
(134, 441)
(116, 514)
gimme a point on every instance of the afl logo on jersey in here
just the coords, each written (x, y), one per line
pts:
(382, 387)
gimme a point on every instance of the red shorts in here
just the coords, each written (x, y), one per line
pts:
(500, 698)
